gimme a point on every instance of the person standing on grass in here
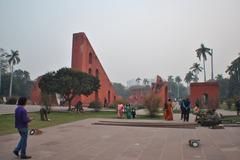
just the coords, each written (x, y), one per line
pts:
(21, 123)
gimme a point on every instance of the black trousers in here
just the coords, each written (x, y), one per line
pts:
(186, 115)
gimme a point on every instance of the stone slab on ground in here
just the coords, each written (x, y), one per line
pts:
(82, 140)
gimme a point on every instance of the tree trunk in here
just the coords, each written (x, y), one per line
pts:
(69, 105)
(204, 70)
(212, 64)
(178, 91)
(11, 79)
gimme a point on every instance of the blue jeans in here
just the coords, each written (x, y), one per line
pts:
(22, 144)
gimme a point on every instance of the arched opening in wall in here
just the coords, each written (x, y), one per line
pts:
(89, 71)
(97, 73)
(204, 99)
(114, 98)
(109, 97)
(105, 102)
(90, 58)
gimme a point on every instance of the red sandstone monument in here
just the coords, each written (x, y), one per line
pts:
(84, 59)
(206, 93)
(159, 88)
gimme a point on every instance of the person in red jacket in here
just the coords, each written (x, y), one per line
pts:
(21, 123)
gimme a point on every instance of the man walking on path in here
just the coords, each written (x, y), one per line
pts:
(21, 123)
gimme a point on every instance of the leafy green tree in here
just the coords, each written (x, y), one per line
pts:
(21, 85)
(5, 84)
(3, 61)
(178, 80)
(69, 83)
(152, 103)
(196, 68)
(13, 59)
(224, 86)
(202, 53)
(234, 71)
(121, 90)
(3, 65)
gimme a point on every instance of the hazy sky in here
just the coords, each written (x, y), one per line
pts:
(132, 38)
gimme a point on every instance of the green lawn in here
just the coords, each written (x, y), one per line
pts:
(7, 121)
(231, 119)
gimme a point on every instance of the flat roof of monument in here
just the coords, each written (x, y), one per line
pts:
(211, 83)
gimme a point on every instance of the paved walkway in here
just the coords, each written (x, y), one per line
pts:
(82, 140)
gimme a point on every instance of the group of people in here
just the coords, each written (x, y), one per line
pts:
(184, 106)
(130, 112)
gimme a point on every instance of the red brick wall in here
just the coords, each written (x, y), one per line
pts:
(83, 61)
(197, 90)
(36, 92)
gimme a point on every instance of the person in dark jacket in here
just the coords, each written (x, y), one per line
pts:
(21, 123)
(186, 108)
(182, 108)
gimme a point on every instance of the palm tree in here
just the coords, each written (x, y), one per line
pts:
(13, 60)
(3, 64)
(188, 78)
(196, 68)
(178, 80)
(212, 65)
(138, 80)
(145, 81)
(202, 52)
(26, 75)
(170, 81)
(234, 71)
(219, 77)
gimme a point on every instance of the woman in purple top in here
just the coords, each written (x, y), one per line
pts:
(21, 123)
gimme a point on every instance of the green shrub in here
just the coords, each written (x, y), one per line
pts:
(113, 106)
(12, 100)
(96, 105)
(1, 100)
(152, 103)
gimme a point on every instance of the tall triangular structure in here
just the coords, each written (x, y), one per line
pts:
(85, 59)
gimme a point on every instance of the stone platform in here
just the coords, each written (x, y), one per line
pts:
(84, 141)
